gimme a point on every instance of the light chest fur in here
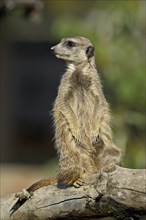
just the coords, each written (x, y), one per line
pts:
(82, 102)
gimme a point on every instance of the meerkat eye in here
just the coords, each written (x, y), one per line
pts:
(70, 43)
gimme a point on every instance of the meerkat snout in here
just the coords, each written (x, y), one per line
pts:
(55, 52)
(52, 49)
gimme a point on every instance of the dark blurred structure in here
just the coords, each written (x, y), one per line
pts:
(32, 77)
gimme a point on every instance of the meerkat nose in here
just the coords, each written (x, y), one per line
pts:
(52, 49)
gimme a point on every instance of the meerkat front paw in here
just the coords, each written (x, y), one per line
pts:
(77, 137)
(96, 138)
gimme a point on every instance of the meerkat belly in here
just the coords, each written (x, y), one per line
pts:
(82, 104)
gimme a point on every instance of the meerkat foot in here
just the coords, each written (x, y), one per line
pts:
(23, 195)
(78, 183)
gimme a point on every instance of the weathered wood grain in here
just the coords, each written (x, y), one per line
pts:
(120, 194)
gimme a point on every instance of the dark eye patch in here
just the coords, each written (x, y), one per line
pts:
(69, 43)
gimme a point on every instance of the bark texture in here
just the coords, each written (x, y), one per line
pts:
(120, 193)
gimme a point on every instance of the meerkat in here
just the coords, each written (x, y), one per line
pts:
(81, 115)
(83, 136)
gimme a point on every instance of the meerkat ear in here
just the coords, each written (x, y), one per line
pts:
(90, 52)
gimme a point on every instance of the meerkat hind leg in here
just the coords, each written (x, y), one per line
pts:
(109, 169)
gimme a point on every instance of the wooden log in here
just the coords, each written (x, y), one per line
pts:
(120, 193)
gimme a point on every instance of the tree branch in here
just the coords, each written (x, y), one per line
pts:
(120, 194)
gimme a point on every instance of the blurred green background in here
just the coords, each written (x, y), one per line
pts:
(117, 30)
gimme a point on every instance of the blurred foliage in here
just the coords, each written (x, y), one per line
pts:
(117, 30)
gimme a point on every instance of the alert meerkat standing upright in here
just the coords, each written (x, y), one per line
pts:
(81, 117)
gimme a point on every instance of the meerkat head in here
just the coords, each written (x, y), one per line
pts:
(74, 50)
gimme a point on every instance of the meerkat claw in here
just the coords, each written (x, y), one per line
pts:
(78, 183)
(95, 139)
(77, 139)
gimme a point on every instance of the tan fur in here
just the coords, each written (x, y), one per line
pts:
(81, 116)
